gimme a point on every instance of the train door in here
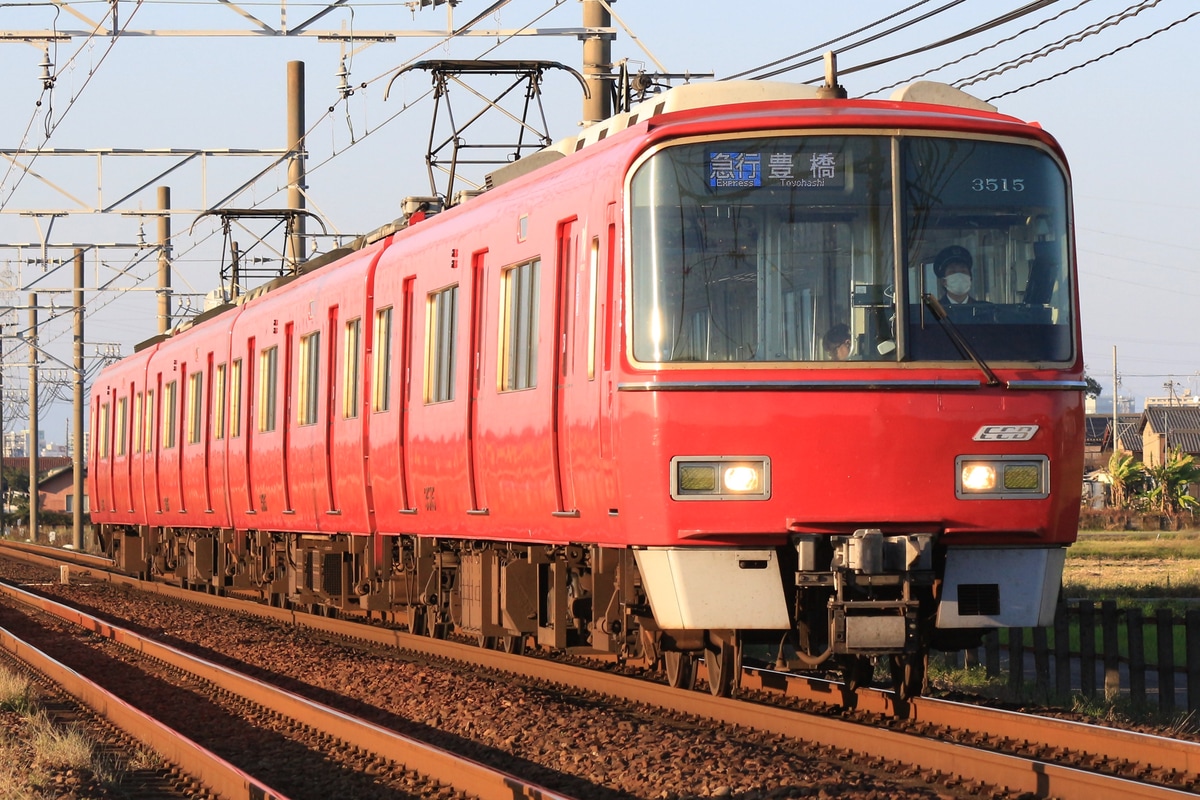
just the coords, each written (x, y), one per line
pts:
(349, 354)
(404, 381)
(475, 485)
(289, 336)
(206, 434)
(246, 389)
(130, 455)
(155, 441)
(178, 434)
(567, 249)
(607, 320)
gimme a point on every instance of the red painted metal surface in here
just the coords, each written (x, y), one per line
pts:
(573, 458)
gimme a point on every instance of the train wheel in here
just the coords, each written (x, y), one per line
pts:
(487, 642)
(513, 644)
(908, 675)
(681, 670)
(721, 665)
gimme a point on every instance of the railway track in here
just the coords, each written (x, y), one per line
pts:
(966, 748)
(306, 725)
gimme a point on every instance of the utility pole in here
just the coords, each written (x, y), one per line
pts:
(164, 259)
(33, 417)
(294, 255)
(1116, 383)
(597, 62)
(77, 428)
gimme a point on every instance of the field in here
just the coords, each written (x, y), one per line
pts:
(1131, 565)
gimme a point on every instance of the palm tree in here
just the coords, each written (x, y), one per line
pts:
(1128, 476)
(1172, 479)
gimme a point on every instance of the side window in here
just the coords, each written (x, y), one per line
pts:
(518, 327)
(235, 398)
(139, 431)
(122, 421)
(441, 345)
(381, 367)
(105, 410)
(169, 401)
(351, 369)
(310, 372)
(148, 438)
(219, 389)
(195, 407)
(268, 364)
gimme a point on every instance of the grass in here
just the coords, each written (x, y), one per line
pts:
(37, 754)
(1133, 566)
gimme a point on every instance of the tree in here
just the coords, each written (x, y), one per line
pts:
(1171, 481)
(1128, 477)
(1093, 386)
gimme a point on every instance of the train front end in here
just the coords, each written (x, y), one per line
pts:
(853, 401)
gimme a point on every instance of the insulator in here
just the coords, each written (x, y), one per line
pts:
(46, 65)
(343, 75)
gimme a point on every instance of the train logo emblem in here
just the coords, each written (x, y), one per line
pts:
(1005, 433)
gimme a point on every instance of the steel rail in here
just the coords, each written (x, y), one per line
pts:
(444, 767)
(1014, 772)
(207, 768)
(1156, 752)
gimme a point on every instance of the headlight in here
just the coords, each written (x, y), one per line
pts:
(1002, 477)
(720, 477)
(978, 477)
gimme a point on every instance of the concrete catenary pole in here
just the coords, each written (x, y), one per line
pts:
(164, 259)
(295, 143)
(1116, 388)
(597, 62)
(33, 417)
(77, 426)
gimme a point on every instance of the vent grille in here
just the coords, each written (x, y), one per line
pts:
(978, 599)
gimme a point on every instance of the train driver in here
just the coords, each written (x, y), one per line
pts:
(953, 269)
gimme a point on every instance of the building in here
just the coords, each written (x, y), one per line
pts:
(1165, 428)
(1098, 439)
(56, 491)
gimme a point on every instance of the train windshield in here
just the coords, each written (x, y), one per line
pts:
(784, 249)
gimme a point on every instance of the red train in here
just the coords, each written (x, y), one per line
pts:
(743, 365)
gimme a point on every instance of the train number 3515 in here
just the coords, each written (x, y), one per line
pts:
(998, 184)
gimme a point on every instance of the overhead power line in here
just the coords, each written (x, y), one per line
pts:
(874, 37)
(1098, 58)
(981, 50)
(995, 22)
(824, 45)
(1075, 38)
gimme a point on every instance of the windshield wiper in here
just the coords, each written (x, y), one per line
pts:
(956, 336)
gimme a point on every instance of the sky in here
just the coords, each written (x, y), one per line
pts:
(1113, 80)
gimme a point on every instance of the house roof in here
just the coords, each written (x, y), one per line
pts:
(44, 463)
(1098, 431)
(69, 469)
(1179, 424)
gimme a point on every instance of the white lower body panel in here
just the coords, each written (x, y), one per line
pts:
(1000, 587)
(714, 588)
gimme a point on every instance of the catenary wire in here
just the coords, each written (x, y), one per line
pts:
(1098, 58)
(981, 50)
(823, 45)
(874, 37)
(1075, 38)
(51, 127)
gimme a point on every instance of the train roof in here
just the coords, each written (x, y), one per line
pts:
(691, 96)
(687, 97)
